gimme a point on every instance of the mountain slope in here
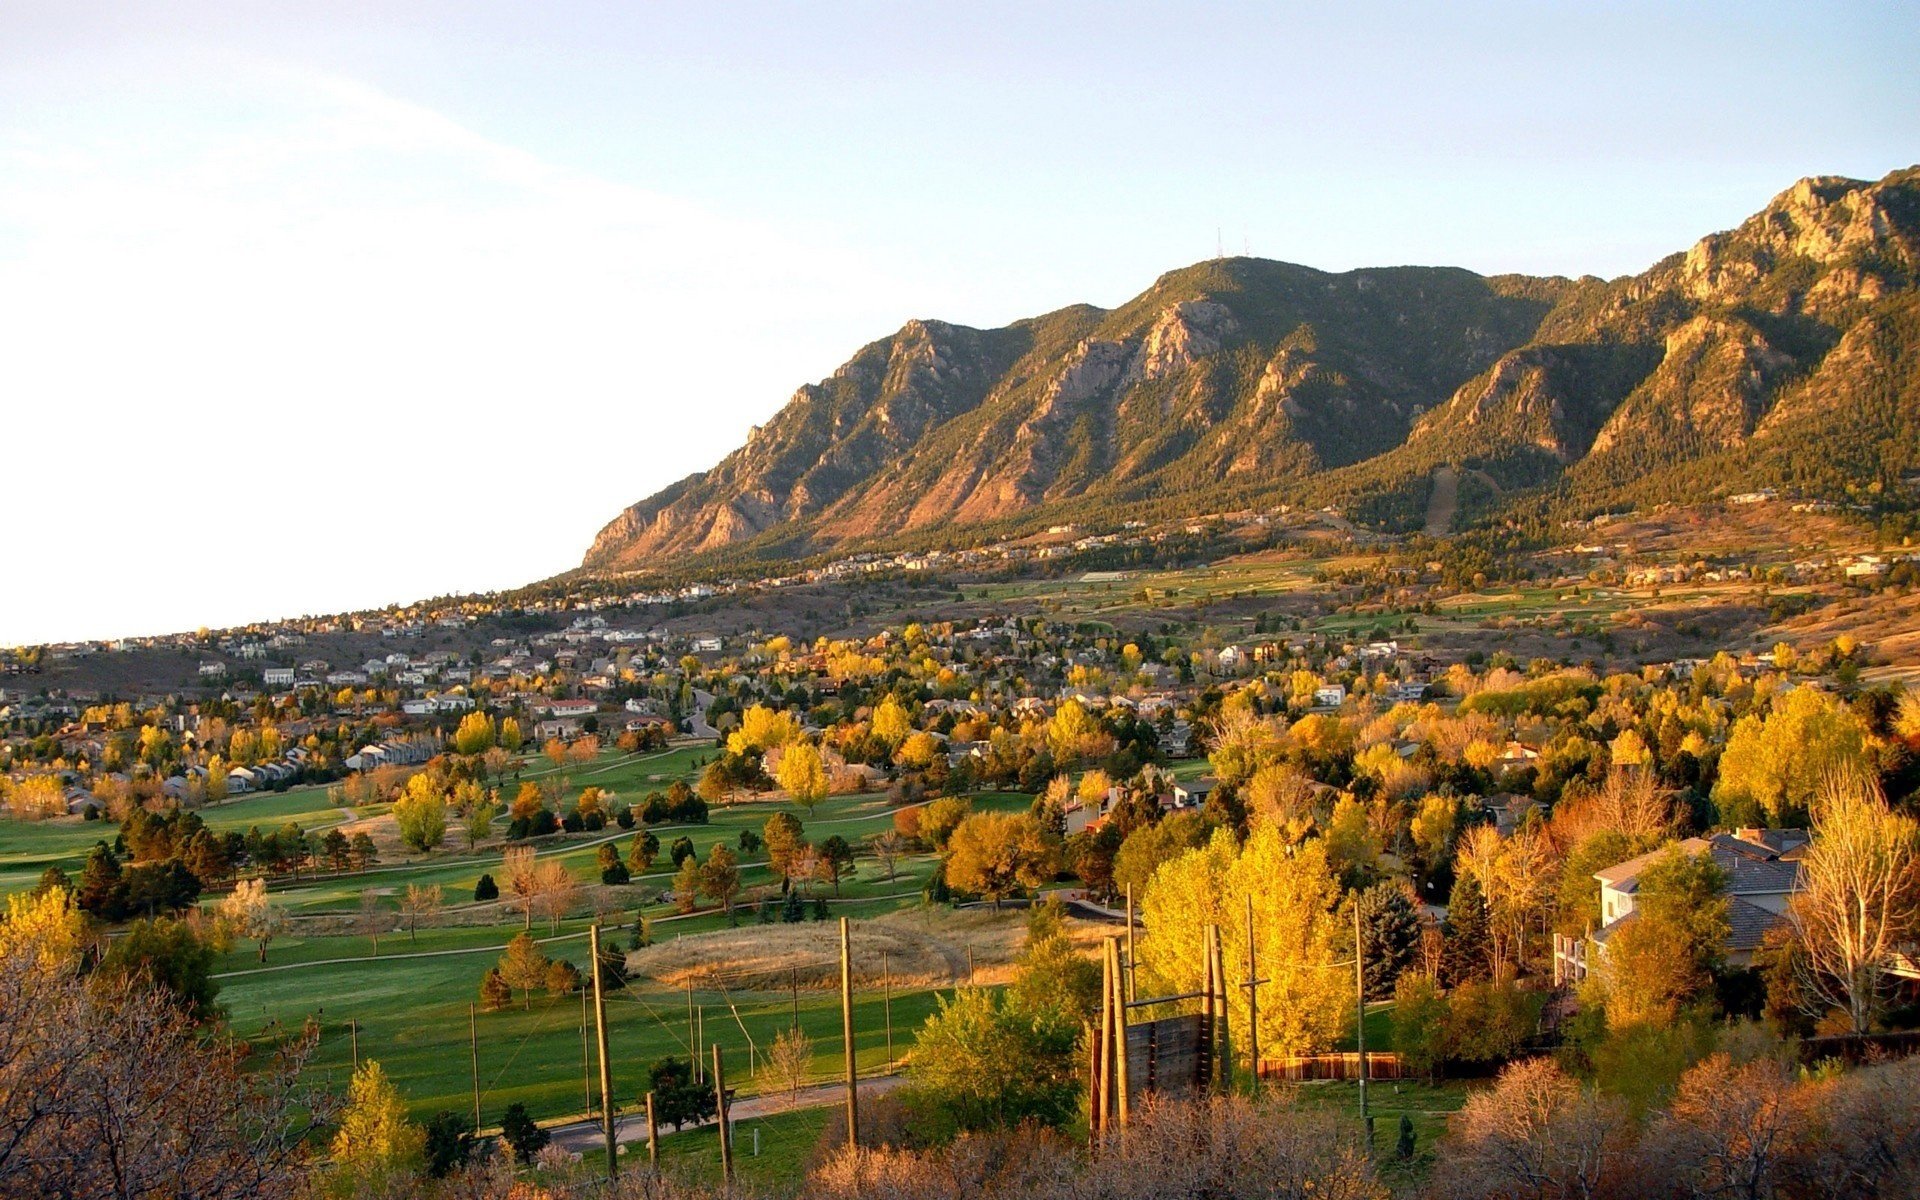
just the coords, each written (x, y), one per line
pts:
(1238, 378)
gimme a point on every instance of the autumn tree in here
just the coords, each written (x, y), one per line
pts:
(784, 837)
(1861, 904)
(762, 728)
(250, 913)
(1774, 765)
(720, 876)
(836, 860)
(376, 1143)
(888, 848)
(992, 855)
(421, 813)
(520, 872)
(1667, 954)
(803, 774)
(475, 734)
(788, 1063)
(555, 890)
(421, 905)
(523, 966)
(891, 723)
(939, 818)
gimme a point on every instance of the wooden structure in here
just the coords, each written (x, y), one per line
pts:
(1297, 1068)
(1183, 1055)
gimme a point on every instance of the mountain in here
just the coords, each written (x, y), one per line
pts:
(1780, 353)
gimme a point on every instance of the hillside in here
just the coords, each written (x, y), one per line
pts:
(1780, 353)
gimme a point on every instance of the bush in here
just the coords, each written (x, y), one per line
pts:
(485, 889)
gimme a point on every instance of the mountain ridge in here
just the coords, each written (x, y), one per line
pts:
(1256, 377)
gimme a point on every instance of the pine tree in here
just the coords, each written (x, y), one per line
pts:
(1468, 949)
(1389, 934)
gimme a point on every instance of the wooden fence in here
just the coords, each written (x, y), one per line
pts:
(1299, 1067)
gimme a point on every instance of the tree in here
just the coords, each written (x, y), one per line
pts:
(518, 866)
(763, 728)
(891, 723)
(46, 930)
(1861, 904)
(420, 905)
(644, 849)
(421, 814)
(1773, 766)
(168, 955)
(720, 876)
(1055, 987)
(1419, 1023)
(485, 889)
(785, 838)
(556, 890)
(677, 1099)
(1148, 846)
(521, 1133)
(372, 919)
(613, 872)
(803, 774)
(788, 1062)
(686, 884)
(1468, 937)
(836, 860)
(495, 992)
(376, 1142)
(563, 978)
(1667, 954)
(888, 849)
(939, 818)
(1306, 1004)
(249, 912)
(479, 822)
(475, 734)
(984, 1067)
(1536, 1132)
(993, 855)
(1389, 935)
(449, 1142)
(523, 966)
(109, 1087)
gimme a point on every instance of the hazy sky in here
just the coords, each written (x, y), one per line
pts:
(312, 306)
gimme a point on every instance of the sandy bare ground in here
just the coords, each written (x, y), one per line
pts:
(1442, 502)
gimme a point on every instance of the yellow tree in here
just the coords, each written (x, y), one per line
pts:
(762, 728)
(476, 734)
(1774, 765)
(995, 854)
(49, 926)
(421, 813)
(803, 774)
(891, 722)
(1071, 732)
(1305, 1003)
(250, 913)
(376, 1141)
(1861, 905)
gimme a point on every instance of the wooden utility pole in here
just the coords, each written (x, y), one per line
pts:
(796, 997)
(886, 983)
(700, 1044)
(1122, 1078)
(726, 1128)
(846, 1033)
(1099, 1085)
(1224, 1052)
(606, 1062)
(353, 1028)
(1253, 1001)
(1360, 1020)
(653, 1136)
(586, 1074)
(1133, 960)
(473, 1055)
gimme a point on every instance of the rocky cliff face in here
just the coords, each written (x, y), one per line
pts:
(1244, 375)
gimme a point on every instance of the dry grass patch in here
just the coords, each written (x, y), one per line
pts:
(916, 948)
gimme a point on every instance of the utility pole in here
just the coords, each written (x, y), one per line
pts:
(1133, 961)
(586, 1075)
(353, 1027)
(726, 1128)
(846, 1033)
(606, 1064)
(1253, 1001)
(1360, 1022)
(1122, 1074)
(886, 982)
(796, 997)
(653, 1136)
(473, 1055)
(699, 1044)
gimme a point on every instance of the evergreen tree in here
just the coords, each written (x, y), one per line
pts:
(522, 1135)
(1389, 935)
(1468, 949)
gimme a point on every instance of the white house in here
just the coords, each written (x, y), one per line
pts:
(277, 676)
(1330, 695)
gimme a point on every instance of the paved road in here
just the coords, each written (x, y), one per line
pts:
(584, 1136)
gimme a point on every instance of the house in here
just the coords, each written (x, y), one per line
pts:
(212, 670)
(1763, 875)
(1194, 792)
(567, 709)
(277, 676)
(241, 780)
(1330, 695)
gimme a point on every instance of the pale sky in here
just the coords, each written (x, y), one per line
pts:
(315, 306)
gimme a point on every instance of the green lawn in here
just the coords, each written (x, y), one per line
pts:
(412, 1016)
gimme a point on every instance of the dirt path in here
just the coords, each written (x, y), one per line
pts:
(1441, 503)
(582, 1136)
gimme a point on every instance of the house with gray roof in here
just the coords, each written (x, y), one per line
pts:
(1763, 873)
